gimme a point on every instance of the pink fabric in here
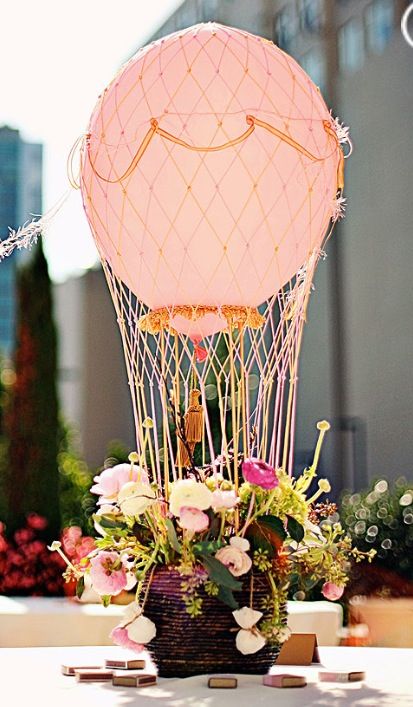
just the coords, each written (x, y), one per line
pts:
(225, 227)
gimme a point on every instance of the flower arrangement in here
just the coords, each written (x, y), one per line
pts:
(220, 539)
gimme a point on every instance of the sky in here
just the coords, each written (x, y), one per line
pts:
(55, 59)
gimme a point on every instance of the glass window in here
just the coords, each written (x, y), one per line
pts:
(379, 18)
(285, 27)
(351, 46)
(313, 62)
(311, 15)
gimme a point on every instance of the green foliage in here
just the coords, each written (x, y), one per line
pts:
(381, 518)
(218, 573)
(76, 502)
(32, 479)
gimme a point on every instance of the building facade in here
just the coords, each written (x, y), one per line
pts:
(355, 364)
(20, 198)
(92, 382)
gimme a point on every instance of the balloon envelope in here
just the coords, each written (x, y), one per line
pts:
(183, 224)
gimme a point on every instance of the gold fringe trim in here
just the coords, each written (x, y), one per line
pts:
(237, 316)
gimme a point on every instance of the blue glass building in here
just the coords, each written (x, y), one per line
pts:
(20, 198)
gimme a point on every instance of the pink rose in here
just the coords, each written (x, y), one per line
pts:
(332, 591)
(193, 519)
(223, 500)
(119, 635)
(237, 561)
(107, 573)
(259, 473)
(110, 481)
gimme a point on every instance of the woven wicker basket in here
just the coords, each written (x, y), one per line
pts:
(186, 646)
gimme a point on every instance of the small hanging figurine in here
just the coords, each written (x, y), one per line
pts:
(193, 428)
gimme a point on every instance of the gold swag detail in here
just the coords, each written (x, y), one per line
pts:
(237, 316)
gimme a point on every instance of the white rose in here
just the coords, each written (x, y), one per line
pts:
(135, 497)
(249, 641)
(246, 617)
(141, 630)
(191, 494)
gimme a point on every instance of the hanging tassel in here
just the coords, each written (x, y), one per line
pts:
(194, 427)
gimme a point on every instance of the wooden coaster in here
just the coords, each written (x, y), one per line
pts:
(341, 676)
(100, 675)
(226, 682)
(134, 680)
(284, 680)
(125, 664)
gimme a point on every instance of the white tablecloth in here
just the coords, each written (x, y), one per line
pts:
(41, 621)
(31, 677)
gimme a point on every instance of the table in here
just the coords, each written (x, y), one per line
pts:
(27, 621)
(31, 677)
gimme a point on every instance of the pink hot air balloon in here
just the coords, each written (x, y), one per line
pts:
(209, 175)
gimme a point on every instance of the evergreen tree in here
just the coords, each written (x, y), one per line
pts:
(32, 482)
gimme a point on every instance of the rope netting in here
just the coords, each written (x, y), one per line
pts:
(246, 378)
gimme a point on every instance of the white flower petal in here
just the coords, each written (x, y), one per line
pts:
(249, 642)
(130, 612)
(246, 617)
(141, 630)
(135, 497)
(240, 543)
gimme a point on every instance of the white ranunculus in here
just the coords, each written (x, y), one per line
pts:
(141, 630)
(250, 641)
(240, 543)
(135, 497)
(246, 617)
(189, 493)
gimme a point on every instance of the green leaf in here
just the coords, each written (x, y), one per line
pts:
(172, 536)
(106, 600)
(295, 529)
(258, 538)
(108, 521)
(206, 547)
(218, 573)
(274, 524)
(80, 586)
(226, 596)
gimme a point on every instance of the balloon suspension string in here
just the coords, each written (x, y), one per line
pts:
(27, 235)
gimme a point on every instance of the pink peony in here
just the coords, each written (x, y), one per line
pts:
(110, 481)
(237, 561)
(332, 591)
(107, 573)
(193, 519)
(223, 500)
(119, 635)
(259, 473)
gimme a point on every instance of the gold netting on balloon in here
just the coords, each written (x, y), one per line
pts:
(246, 377)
